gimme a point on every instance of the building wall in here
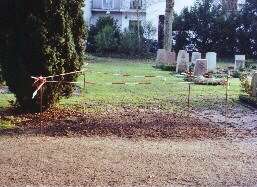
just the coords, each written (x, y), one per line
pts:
(123, 14)
(153, 12)
(117, 16)
(87, 11)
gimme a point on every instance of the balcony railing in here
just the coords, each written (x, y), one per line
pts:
(118, 5)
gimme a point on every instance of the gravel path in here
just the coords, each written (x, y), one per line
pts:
(43, 160)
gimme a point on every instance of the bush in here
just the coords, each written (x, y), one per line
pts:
(168, 67)
(237, 74)
(245, 83)
(128, 42)
(94, 30)
(105, 40)
(248, 100)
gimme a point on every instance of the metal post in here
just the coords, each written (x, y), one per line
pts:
(188, 99)
(226, 117)
(84, 92)
(41, 107)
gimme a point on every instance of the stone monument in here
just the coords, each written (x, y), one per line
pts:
(211, 58)
(161, 57)
(171, 58)
(165, 57)
(201, 67)
(182, 61)
(195, 56)
(239, 61)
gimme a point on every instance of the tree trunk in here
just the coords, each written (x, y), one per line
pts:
(138, 24)
(168, 25)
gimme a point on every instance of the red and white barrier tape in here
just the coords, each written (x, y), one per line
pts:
(42, 82)
(128, 83)
(127, 75)
(66, 82)
(63, 74)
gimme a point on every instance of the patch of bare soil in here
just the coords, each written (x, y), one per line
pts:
(113, 161)
(239, 119)
(122, 122)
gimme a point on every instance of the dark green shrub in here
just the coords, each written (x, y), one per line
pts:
(41, 37)
(134, 42)
(191, 67)
(168, 67)
(128, 42)
(105, 40)
(237, 74)
(252, 101)
(94, 30)
(245, 83)
(249, 63)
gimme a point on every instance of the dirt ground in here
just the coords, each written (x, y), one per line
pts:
(128, 146)
(42, 160)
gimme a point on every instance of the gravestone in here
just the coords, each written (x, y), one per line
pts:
(239, 61)
(171, 58)
(211, 58)
(195, 56)
(201, 67)
(254, 84)
(182, 61)
(161, 57)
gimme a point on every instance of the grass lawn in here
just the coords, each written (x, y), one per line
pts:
(166, 95)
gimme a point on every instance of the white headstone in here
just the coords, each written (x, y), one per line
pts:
(211, 58)
(254, 84)
(182, 61)
(201, 67)
(195, 56)
(239, 61)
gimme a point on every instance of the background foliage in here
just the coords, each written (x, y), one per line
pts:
(207, 27)
(106, 37)
(94, 30)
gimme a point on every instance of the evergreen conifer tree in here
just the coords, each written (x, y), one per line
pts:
(42, 37)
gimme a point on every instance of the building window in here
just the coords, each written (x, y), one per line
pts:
(136, 4)
(107, 4)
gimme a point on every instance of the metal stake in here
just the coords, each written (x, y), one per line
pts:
(84, 92)
(41, 107)
(226, 117)
(188, 99)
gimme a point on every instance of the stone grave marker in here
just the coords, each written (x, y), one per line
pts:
(171, 57)
(161, 57)
(254, 84)
(201, 67)
(211, 58)
(239, 61)
(195, 56)
(182, 61)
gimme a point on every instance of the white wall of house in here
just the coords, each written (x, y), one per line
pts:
(127, 16)
(123, 14)
(117, 16)
(153, 12)
(87, 11)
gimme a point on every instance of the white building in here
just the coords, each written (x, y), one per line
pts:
(125, 12)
